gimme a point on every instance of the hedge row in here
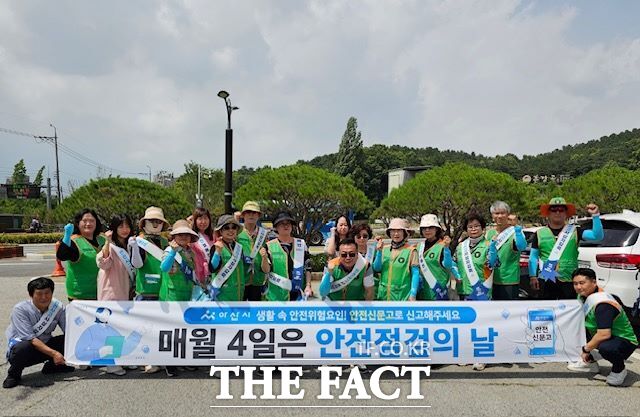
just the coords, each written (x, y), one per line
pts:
(24, 238)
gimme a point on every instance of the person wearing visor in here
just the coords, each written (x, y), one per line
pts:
(286, 262)
(252, 238)
(434, 260)
(554, 248)
(228, 262)
(509, 241)
(397, 264)
(347, 277)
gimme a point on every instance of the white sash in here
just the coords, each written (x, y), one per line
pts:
(124, 258)
(502, 238)
(45, 321)
(280, 281)
(260, 238)
(205, 245)
(595, 299)
(371, 250)
(229, 267)
(426, 272)
(150, 248)
(360, 265)
(561, 244)
(469, 267)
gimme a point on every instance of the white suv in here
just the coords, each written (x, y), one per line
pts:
(616, 258)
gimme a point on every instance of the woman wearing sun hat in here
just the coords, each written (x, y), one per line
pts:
(151, 245)
(227, 262)
(554, 248)
(397, 264)
(434, 259)
(286, 262)
(182, 264)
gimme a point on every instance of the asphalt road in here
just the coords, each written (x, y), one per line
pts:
(501, 390)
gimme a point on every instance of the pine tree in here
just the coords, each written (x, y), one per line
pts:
(350, 158)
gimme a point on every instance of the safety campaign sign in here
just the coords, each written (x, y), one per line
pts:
(310, 333)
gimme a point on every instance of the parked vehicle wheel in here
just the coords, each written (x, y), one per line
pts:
(317, 239)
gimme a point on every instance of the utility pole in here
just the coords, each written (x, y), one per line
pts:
(48, 193)
(55, 144)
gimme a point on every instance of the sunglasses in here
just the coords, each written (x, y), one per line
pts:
(229, 227)
(362, 237)
(557, 209)
(348, 254)
(154, 221)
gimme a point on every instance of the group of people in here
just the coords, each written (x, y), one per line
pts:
(235, 261)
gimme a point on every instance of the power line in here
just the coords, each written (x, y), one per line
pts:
(71, 152)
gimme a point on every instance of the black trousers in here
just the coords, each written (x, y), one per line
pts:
(616, 350)
(24, 354)
(253, 293)
(558, 290)
(505, 292)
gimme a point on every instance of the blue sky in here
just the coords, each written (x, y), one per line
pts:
(131, 84)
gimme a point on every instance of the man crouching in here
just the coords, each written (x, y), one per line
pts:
(29, 333)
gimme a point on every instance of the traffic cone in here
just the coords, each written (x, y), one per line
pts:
(58, 270)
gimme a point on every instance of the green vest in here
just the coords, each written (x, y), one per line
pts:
(508, 273)
(395, 277)
(148, 277)
(233, 288)
(175, 286)
(432, 257)
(568, 261)
(255, 277)
(479, 254)
(621, 326)
(82, 275)
(280, 266)
(354, 291)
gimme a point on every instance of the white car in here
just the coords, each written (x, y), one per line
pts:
(616, 258)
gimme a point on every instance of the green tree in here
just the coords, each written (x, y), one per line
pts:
(612, 188)
(312, 195)
(19, 175)
(350, 159)
(132, 196)
(38, 180)
(450, 192)
(211, 187)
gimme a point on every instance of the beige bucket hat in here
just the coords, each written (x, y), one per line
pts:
(430, 220)
(153, 213)
(398, 223)
(182, 227)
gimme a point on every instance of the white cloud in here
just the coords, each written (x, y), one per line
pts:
(137, 85)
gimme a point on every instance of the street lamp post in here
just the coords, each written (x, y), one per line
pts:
(228, 166)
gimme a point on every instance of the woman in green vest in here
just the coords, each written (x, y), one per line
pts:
(397, 264)
(147, 252)
(475, 275)
(437, 267)
(610, 334)
(179, 273)
(286, 262)
(227, 262)
(79, 247)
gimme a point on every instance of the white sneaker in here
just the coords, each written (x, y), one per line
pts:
(151, 369)
(132, 367)
(582, 366)
(82, 367)
(116, 370)
(617, 378)
(478, 366)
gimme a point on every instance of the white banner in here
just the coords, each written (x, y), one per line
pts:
(255, 333)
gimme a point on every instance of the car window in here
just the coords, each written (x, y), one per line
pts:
(617, 233)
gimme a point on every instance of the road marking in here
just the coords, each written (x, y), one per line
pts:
(636, 355)
(20, 263)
